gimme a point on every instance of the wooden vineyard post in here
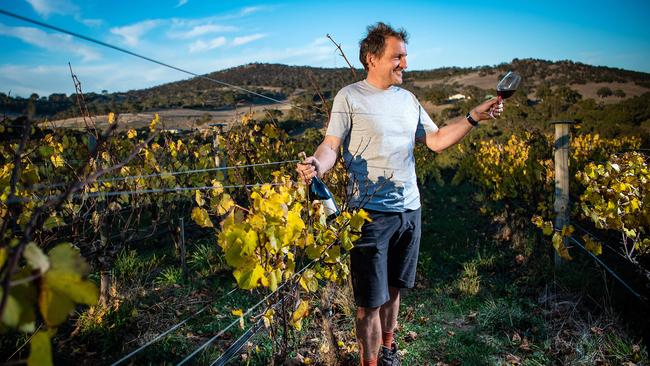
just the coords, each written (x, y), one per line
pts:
(561, 156)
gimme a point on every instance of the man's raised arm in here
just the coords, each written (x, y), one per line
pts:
(452, 133)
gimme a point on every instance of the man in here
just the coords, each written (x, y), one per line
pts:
(377, 124)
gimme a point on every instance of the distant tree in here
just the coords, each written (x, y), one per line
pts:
(57, 98)
(619, 93)
(568, 95)
(604, 92)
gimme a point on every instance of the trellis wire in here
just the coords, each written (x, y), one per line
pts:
(166, 174)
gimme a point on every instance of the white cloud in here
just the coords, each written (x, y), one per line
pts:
(238, 41)
(201, 46)
(63, 7)
(49, 41)
(181, 3)
(200, 30)
(132, 33)
(46, 7)
(251, 9)
(247, 11)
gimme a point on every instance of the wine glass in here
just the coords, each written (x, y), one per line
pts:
(507, 86)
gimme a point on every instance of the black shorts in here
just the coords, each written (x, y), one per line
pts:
(385, 255)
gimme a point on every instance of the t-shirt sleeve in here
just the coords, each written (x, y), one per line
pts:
(341, 116)
(425, 123)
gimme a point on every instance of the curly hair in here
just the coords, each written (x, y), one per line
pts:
(375, 41)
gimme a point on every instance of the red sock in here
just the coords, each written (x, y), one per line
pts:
(387, 339)
(372, 362)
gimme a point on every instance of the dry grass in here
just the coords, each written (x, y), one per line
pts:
(577, 337)
(178, 118)
(589, 90)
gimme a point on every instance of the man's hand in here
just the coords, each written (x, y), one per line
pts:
(491, 108)
(309, 168)
(323, 159)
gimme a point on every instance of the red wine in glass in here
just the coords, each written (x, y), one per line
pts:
(505, 94)
(506, 88)
(508, 85)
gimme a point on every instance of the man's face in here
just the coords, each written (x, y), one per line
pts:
(388, 67)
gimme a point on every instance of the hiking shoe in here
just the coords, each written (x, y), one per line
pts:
(388, 357)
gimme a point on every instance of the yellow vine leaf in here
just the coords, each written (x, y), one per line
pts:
(270, 132)
(274, 277)
(71, 285)
(268, 318)
(239, 246)
(308, 281)
(40, 353)
(225, 204)
(560, 248)
(592, 246)
(294, 227)
(154, 122)
(218, 188)
(299, 314)
(567, 230)
(201, 217)
(358, 218)
(248, 278)
(64, 285)
(240, 314)
(199, 199)
(11, 314)
(111, 118)
(57, 160)
(132, 134)
(54, 306)
(66, 257)
(246, 118)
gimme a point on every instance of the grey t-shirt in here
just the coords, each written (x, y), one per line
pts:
(378, 129)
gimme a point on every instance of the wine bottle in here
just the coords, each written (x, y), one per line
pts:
(319, 191)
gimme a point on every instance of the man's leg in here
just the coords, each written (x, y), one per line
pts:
(388, 316)
(368, 267)
(368, 326)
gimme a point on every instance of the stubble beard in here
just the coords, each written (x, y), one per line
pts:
(397, 75)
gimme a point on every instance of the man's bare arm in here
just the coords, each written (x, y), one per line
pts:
(450, 134)
(323, 159)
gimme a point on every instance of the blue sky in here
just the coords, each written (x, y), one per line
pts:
(204, 36)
